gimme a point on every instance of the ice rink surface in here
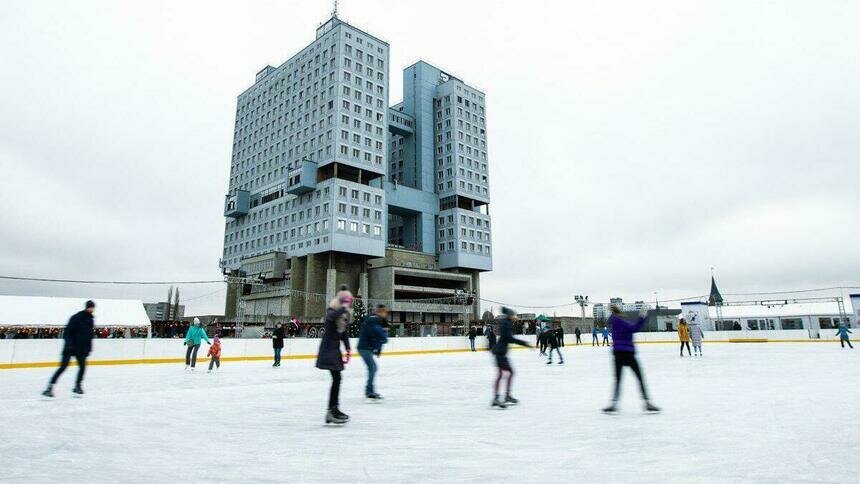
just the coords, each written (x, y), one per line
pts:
(742, 413)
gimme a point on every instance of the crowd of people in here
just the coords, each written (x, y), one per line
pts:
(57, 333)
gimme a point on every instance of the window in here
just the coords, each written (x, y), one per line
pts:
(353, 226)
(341, 224)
(377, 230)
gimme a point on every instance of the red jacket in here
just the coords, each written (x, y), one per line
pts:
(215, 350)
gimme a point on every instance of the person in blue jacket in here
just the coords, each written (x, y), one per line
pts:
(606, 334)
(624, 353)
(371, 337)
(594, 340)
(842, 332)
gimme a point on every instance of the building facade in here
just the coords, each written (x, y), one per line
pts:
(326, 177)
(601, 312)
(163, 311)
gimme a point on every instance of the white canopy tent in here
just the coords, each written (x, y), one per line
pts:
(36, 311)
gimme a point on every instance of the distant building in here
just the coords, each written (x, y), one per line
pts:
(159, 311)
(600, 311)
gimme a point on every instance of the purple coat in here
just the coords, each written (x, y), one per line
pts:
(622, 333)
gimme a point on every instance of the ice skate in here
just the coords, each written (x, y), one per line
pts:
(187, 367)
(561, 362)
(374, 397)
(49, 392)
(549, 362)
(331, 418)
(611, 409)
(338, 414)
(78, 390)
(509, 400)
(651, 408)
(497, 402)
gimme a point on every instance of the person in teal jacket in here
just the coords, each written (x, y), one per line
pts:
(842, 332)
(192, 341)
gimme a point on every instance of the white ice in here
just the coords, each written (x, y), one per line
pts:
(742, 413)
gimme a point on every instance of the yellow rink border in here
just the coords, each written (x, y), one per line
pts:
(155, 361)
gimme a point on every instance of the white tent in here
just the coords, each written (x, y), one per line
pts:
(35, 311)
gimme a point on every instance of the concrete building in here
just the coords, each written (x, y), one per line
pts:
(159, 311)
(600, 311)
(311, 203)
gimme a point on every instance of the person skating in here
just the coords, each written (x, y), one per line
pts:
(553, 343)
(559, 335)
(77, 343)
(491, 337)
(500, 351)
(278, 343)
(696, 336)
(624, 352)
(606, 334)
(371, 337)
(578, 335)
(195, 334)
(842, 332)
(594, 340)
(329, 356)
(684, 336)
(214, 354)
(472, 335)
(542, 340)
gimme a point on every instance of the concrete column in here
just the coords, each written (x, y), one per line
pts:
(330, 283)
(362, 286)
(476, 288)
(298, 281)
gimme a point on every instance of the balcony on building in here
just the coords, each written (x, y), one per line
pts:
(237, 204)
(400, 123)
(303, 178)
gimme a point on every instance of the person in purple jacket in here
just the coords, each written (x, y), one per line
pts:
(624, 352)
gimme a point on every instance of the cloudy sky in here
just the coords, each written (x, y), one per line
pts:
(632, 145)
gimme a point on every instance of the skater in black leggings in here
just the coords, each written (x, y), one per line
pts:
(624, 352)
(506, 336)
(329, 356)
(78, 337)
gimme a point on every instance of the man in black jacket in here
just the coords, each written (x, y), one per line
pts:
(500, 350)
(78, 337)
(278, 343)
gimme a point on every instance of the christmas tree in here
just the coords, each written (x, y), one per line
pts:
(358, 313)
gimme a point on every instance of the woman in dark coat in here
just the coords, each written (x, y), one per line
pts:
(329, 356)
(278, 343)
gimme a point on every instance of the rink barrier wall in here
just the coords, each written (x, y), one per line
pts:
(42, 353)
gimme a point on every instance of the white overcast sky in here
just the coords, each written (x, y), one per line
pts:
(632, 145)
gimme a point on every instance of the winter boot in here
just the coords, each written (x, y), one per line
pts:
(49, 392)
(509, 400)
(650, 407)
(497, 402)
(331, 418)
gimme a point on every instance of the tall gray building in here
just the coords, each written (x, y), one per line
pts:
(311, 200)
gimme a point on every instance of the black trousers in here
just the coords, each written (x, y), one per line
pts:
(578, 339)
(687, 344)
(191, 355)
(334, 393)
(64, 363)
(561, 341)
(842, 342)
(622, 359)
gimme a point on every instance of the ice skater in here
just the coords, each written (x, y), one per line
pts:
(472, 335)
(278, 343)
(559, 335)
(500, 351)
(195, 334)
(371, 337)
(77, 343)
(606, 334)
(214, 354)
(542, 340)
(624, 352)
(696, 336)
(553, 343)
(684, 336)
(842, 332)
(329, 356)
(491, 337)
(594, 340)
(578, 335)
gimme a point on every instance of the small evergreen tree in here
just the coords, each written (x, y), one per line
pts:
(359, 311)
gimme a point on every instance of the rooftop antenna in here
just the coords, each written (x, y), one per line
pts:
(334, 12)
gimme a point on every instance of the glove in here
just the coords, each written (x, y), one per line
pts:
(346, 358)
(185, 343)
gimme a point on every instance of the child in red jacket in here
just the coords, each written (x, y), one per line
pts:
(215, 354)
